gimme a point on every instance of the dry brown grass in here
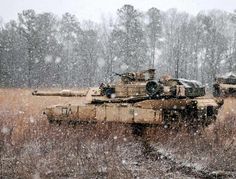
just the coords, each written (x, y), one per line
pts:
(30, 147)
(213, 148)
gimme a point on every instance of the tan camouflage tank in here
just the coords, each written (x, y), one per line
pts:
(225, 86)
(137, 98)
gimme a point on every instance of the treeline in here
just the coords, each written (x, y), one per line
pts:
(43, 50)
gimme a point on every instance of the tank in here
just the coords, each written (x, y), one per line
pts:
(225, 85)
(138, 98)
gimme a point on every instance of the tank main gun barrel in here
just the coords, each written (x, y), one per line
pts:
(63, 93)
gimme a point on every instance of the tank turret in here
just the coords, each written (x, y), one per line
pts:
(131, 84)
(175, 88)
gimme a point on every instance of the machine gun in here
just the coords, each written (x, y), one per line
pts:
(126, 77)
(139, 76)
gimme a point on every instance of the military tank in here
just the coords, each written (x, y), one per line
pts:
(225, 85)
(138, 98)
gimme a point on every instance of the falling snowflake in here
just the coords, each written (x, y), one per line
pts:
(5, 130)
(48, 59)
(58, 60)
(31, 119)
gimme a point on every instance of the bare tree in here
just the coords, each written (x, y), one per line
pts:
(154, 31)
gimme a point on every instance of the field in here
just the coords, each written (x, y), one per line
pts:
(31, 148)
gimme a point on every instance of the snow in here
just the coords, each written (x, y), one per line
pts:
(48, 59)
(190, 83)
(36, 61)
(113, 95)
(58, 60)
(124, 67)
(36, 175)
(31, 119)
(69, 54)
(228, 75)
(101, 62)
(5, 130)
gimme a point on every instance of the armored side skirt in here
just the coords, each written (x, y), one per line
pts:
(144, 112)
(125, 113)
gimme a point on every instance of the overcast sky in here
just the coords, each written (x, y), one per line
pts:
(94, 9)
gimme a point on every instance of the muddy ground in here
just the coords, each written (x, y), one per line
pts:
(31, 148)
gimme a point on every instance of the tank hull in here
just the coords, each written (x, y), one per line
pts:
(157, 112)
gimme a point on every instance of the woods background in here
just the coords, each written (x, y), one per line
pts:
(44, 50)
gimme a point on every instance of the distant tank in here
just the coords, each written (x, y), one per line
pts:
(225, 85)
(137, 98)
